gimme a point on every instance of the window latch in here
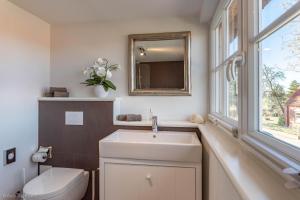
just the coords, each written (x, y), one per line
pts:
(231, 66)
(229, 71)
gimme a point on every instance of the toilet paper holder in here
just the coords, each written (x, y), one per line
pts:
(42, 154)
(47, 150)
(50, 155)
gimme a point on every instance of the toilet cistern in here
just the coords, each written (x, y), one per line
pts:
(154, 126)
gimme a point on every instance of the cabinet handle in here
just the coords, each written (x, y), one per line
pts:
(148, 177)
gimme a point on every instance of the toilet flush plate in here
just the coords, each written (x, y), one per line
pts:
(73, 118)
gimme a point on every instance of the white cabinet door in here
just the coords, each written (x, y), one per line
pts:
(141, 182)
(220, 186)
(120, 182)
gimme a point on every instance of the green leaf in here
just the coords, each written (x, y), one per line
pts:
(109, 84)
(113, 67)
(105, 87)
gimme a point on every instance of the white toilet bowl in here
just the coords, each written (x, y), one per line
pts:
(57, 184)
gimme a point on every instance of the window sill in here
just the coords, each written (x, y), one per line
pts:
(277, 160)
(276, 149)
(252, 178)
(225, 123)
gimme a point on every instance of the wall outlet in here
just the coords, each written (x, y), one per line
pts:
(74, 118)
(9, 156)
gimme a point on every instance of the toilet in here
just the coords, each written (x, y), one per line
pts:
(57, 184)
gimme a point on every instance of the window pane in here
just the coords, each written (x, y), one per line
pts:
(280, 83)
(219, 44)
(272, 9)
(232, 100)
(220, 91)
(233, 27)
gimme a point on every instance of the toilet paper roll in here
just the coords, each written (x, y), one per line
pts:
(43, 149)
(39, 157)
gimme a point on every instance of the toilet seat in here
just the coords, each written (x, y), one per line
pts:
(52, 183)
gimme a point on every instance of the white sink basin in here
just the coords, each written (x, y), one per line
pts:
(139, 144)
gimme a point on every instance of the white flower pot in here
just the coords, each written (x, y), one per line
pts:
(100, 92)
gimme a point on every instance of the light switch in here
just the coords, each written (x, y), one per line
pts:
(74, 118)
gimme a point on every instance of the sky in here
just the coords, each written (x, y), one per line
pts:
(274, 50)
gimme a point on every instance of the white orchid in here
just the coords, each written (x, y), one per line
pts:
(95, 66)
(100, 60)
(99, 73)
(86, 71)
(108, 74)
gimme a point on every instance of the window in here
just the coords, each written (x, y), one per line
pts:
(226, 33)
(275, 83)
(219, 44)
(219, 72)
(232, 100)
(270, 10)
(232, 19)
(279, 69)
(279, 77)
(233, 45)
(261, 98)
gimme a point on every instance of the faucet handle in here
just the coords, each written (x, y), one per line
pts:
(154, 120)
(154, 124)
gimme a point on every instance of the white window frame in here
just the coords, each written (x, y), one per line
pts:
(285, 154)
(275, 151)
(221, 16)
(297, 115)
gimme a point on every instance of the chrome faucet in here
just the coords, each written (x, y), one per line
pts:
(154, 124)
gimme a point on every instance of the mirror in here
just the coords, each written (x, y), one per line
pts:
(159, 64)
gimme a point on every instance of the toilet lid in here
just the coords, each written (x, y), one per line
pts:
(52, 182)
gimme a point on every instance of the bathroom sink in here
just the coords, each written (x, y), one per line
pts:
(145, 145)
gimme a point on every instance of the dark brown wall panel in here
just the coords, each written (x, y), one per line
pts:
(77, 146)
(169, 74)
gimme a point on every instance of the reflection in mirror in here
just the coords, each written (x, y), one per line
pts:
(159, 64)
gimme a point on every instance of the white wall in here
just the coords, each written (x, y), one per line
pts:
(76, 46)
(24, 71)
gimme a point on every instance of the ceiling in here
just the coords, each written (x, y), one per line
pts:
(78, 11)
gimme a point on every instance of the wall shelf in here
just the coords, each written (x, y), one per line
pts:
(75, 99)
(179, 124)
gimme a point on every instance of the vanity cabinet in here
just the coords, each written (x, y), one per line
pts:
(145, 181)
(220, 186)
(142, 165)
(217, 185)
